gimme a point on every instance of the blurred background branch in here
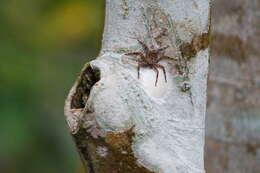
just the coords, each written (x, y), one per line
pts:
(43, 44)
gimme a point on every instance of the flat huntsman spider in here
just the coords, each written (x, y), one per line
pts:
(150, 58)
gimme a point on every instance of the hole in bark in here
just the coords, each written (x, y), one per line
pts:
(87, 79)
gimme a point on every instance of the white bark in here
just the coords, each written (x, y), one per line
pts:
(168, 121)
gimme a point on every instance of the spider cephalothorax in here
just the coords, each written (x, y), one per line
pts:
(150, 58)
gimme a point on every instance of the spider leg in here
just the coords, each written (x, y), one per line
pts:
(140, 64)
(165, 57)
(137, 54)
(162, 33)
(138, 71)
(161, 49)
(164, 71)
(145, 48)
(157, 74)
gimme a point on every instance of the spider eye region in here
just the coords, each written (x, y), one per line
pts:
(152, 54)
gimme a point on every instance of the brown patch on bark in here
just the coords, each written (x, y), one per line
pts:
(87, 78)
(117, 157)
(251, 148)
(228, 45)
(198, 43)
(119, 140)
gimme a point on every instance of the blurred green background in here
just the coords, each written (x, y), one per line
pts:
(43, 46)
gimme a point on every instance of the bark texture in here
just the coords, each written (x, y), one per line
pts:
(233, 113)
(124, 124)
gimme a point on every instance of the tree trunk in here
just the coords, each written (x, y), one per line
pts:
(122, 123)
(233, 114)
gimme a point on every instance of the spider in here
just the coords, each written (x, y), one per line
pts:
(150, 58)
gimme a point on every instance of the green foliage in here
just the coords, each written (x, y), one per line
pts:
(43, 46)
